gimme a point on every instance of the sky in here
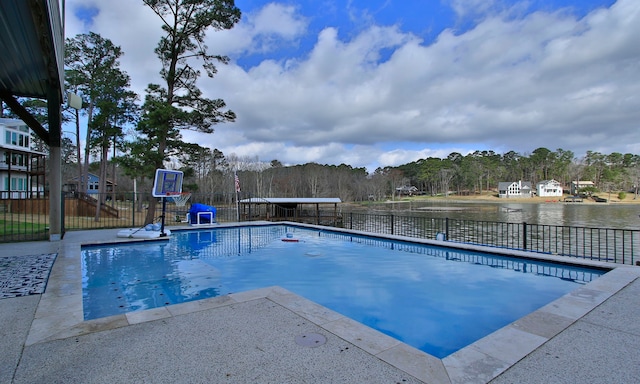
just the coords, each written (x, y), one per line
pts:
(375, 83)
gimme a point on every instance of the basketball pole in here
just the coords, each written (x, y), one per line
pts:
(164, 210)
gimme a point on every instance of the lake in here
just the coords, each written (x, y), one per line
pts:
(595, 215)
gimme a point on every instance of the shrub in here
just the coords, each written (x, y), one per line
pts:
(622, 195)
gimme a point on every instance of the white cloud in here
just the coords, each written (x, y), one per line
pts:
(278, 19)
(510, 83)
(260, 31)
(136, 29)
(506, 83)
(472, 8)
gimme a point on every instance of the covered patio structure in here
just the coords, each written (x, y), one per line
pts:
(300, 209)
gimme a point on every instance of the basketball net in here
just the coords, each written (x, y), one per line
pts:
(180, 199)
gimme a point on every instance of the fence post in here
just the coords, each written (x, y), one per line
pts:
(350, 220)
(133, 210)
(524, 235)
(62, 213)
(392, 220)
(446, 228)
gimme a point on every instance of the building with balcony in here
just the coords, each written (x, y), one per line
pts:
(22, 170)
(549, 188)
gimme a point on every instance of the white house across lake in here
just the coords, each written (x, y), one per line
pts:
(515, 189)
(549, 188)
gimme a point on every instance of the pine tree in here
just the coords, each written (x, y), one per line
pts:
(178, 103)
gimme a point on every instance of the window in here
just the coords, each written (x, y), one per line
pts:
(18, 159)
(16, 138)
(18, 184)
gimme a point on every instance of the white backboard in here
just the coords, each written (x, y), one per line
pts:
(167, 182)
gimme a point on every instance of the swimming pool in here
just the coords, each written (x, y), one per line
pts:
(436, 299)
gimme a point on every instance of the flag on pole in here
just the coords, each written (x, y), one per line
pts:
(237, 181)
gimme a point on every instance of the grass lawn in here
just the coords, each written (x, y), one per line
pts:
(13, 227)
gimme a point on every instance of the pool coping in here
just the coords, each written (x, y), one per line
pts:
(59, 314)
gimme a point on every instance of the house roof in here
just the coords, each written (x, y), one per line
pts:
(407, 188)
(506, 184)
(15, 124)
(75, 179)
(12, 123)
(293, 200)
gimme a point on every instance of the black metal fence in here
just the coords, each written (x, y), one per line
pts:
(602, 244)
(132, 209)
(28, 219)
(24, 219)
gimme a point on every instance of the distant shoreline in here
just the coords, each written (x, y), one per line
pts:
(492, 198)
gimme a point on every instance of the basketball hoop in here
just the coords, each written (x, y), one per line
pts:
(179, 198)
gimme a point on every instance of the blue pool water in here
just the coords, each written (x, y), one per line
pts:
(436, 299)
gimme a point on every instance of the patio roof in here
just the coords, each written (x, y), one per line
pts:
(32, 59)
(292, 200)
(32, 47)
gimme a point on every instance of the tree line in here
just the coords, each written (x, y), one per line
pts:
(474, 173)
(211, 172)
(482, 170)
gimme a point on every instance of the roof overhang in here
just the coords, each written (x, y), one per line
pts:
(32, 58)
(32, 46)
(287, 200)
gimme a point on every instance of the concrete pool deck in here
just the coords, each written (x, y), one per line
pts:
(271, 335)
